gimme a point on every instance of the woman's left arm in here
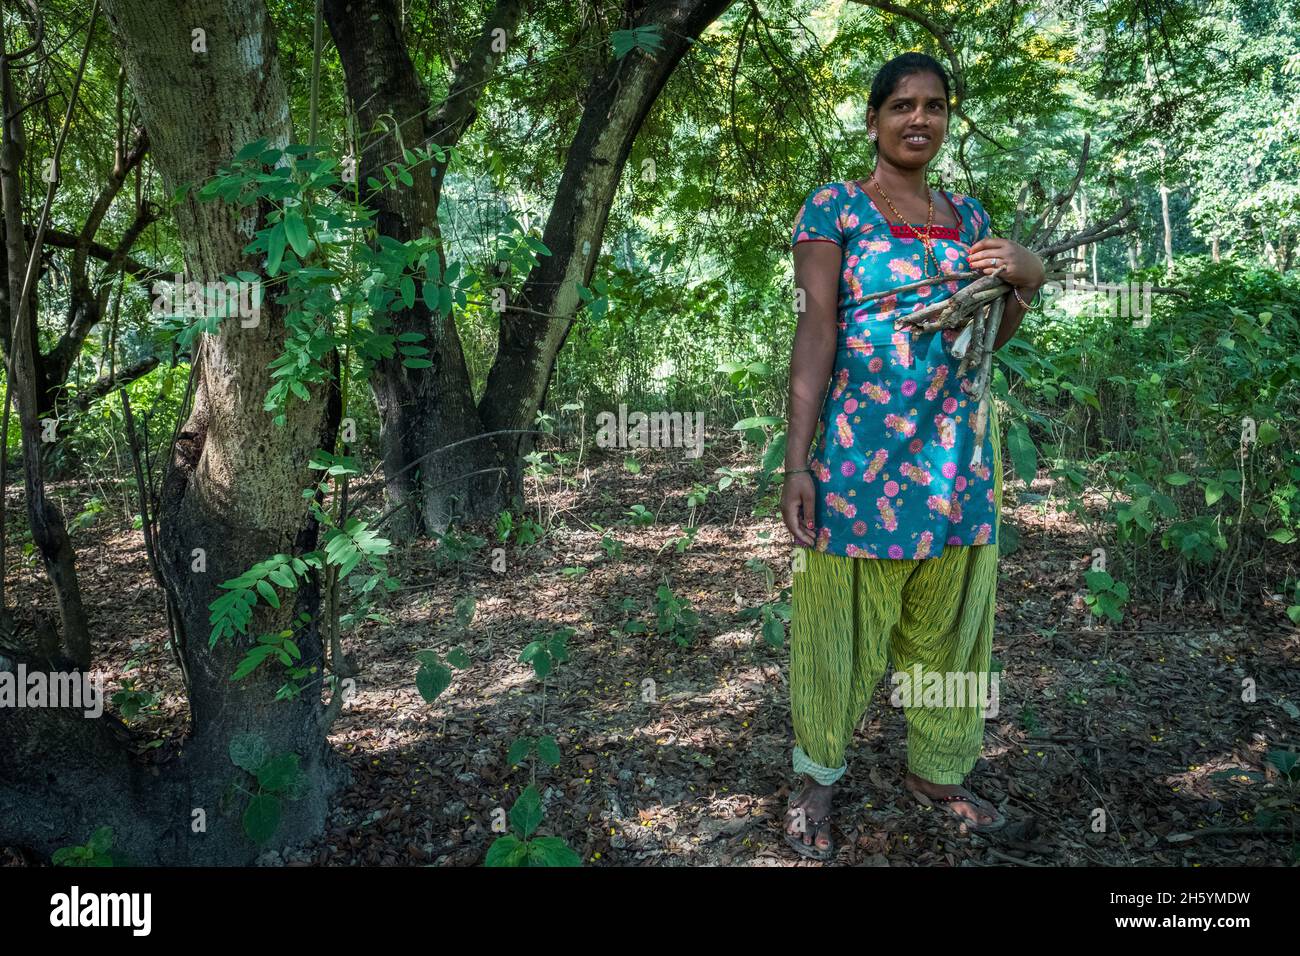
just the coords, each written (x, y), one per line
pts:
(1017, 266)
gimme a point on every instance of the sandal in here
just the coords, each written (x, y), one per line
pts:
(812, 850)
(965, 796)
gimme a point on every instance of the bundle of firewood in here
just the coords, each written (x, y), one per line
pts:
(977, 308)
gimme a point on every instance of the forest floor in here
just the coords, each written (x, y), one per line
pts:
(1113, 745)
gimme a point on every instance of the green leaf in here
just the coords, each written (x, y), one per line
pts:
(275, 249)
(1284, 761)
(1099, 581)
(746, 423)
(526, 814)
(1024, 454)
(774, 631)
(296, 232)
(252, 660)
(262, 817)
(278, 772)
(431, 681)
(549, 750)
(268, 593)
(248, 751)
(506, 851)
(101, 841)
(464, 610)
(252, 149)
(1213, 492)
(519, 751)
(407, 287)
(458, 658)
(1178, 478)
(551, 851)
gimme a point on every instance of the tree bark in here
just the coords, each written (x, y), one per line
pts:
(231, 489)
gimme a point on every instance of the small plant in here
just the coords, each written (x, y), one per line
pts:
(521, 848)
(1028, 719)
(275, 777)
(88, 516)
(132, 702)
(526, 531)
(698, 495)
(505, 526)
(1117, 678)
(675, 617)
(729, 476)
(773, 615)
(1107, 596)
(640, 516)
(456, 548)
(544, 654)
(683, 541)
(1281, 805)
(434, 676)
(95, 851)
(612, 547)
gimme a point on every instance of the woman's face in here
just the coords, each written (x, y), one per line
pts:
(912, 122)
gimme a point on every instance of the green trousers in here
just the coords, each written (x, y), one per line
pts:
(933, 617)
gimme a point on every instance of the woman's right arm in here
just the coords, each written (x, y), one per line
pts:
(816, 279)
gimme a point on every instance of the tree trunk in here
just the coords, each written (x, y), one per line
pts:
(421, 409)
(425, 409)
(49, 532)
(231, 490)
(534, 328)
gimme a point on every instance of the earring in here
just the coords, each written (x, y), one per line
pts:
(872, 134)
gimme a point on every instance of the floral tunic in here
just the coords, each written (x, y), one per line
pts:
(893, 462)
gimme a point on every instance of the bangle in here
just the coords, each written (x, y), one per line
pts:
(1038, 294)
(798, 471)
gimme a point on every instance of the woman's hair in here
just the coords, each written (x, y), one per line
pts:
(905, 64)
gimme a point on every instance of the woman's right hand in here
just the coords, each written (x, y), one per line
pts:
(798, 497)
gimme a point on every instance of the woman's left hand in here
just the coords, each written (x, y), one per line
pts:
(1023, 269)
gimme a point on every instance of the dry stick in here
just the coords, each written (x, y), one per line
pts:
(1062, 198)
(980, 391)
(144, 490)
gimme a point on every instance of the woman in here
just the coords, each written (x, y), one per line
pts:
(897, 504)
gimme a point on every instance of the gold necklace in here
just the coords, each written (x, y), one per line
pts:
(927, 240)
